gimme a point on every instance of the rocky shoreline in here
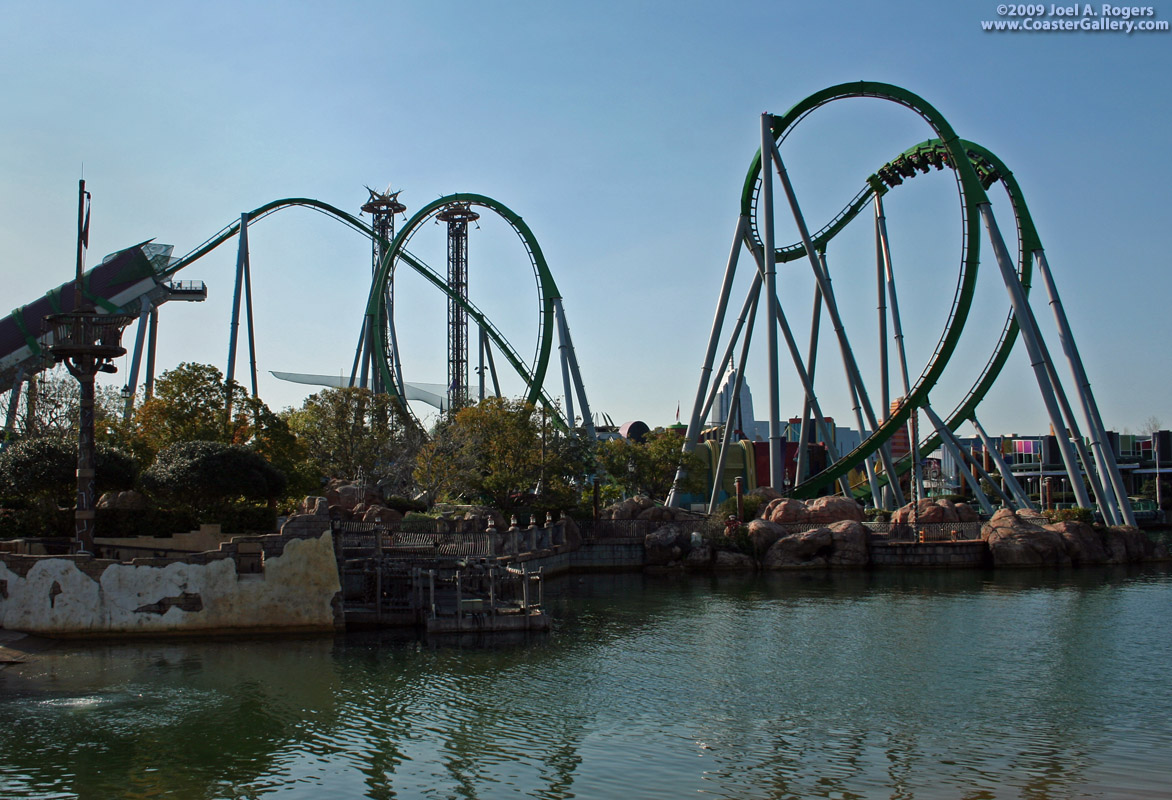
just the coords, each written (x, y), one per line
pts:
(829, 533)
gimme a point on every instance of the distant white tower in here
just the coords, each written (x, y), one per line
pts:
(742, 416)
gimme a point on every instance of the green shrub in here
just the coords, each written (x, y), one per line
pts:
(1071, 515)
(36, 522)
(751, 504)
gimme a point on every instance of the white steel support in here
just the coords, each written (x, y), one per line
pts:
(1019, 495)
(1031, 335)
(803, 460)
(563, 357)
(1104, 457)
(135, 362)
(901, 350)
(583, 403)
(776, 463)
(14, 401)
(714, 390)
(958, 453)
(807, 386)
(854, 378)
(693, 433)
(726, 439)
(881, 259)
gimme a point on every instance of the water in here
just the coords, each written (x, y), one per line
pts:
(901, 685)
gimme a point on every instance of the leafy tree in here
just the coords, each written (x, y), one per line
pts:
(650, 467)
(190, 403)
(44, 469)
(504, 452)
(49, 407)
(350, 431)
(211, 475)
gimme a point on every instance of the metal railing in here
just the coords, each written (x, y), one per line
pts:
(926, 532)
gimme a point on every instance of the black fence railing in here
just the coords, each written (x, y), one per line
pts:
(927, 532)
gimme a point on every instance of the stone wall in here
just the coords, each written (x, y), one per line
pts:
(970, 554)
(277, 582)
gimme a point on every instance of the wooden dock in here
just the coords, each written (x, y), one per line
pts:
(441, 582)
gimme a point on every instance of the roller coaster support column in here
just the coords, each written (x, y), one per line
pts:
(807, 387)
(693, 432)
(132, 380)
(13, 402)
(243, 279)
(958, 452)
(881, 255)
(897, 327)
(714, 390)
(148, 388)
(563, 357)
(1104, 458)
(1105, 501)
(718, 474)
(776, 463)
(480, 364)
(457, 216)
(803, 461)
(854, 378)
(583, 403)
(1030, 334)
(1019, 495)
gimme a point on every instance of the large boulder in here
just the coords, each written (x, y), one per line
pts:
(811, 548)
(966, 513)
(733, 561)
(1083, 543)
(382, 514)
(825, 510)
(933, 511)
(129, 500)
(630, 508)
(666, 545)
(764, 534)
(763, 495)
(314, 506)
(700, 558)
(851, 540)
(1126, 545)
(787, 511)
(1016, 539)
(660, 515)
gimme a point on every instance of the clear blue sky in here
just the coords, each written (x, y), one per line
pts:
(621, 132)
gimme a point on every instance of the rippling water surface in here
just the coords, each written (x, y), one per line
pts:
(900, 685)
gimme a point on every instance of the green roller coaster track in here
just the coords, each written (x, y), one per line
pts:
(396, 250)
(976, 169)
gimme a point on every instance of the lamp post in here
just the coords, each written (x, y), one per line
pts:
(86, 342)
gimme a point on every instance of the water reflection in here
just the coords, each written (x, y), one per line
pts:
(896, 684)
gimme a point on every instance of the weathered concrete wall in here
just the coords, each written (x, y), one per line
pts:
(208, 537)
(294, 590)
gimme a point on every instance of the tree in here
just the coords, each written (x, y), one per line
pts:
(504, 452)
(190, 403)
(1151, 425)
(352, 431)
(212, 475)
(650, 467)
(44, 469)
(49, 407)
